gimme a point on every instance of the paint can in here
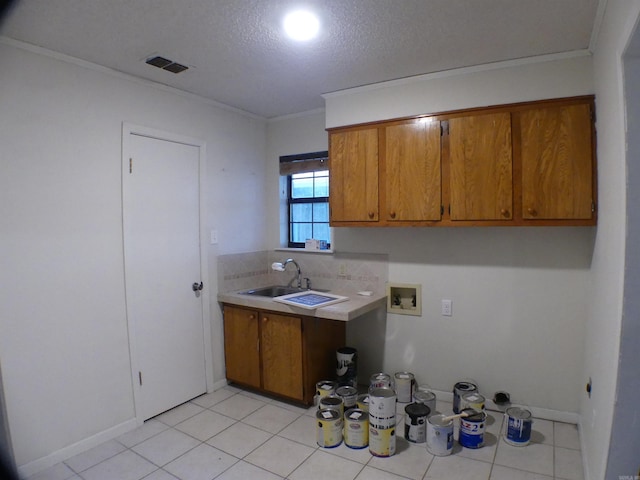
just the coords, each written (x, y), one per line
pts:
(415, 422)
(439, 435)
(382, 408)
(363, 402)
(332, 402)
(380, 380)
(459, 389)
(349, 396)
(347, 366)
(404, 383)
(324, 388)
(473, 400)
(329, 428)
(472, 429)
(427, 397)
(382, 441)
(518, 430)
(356, 428)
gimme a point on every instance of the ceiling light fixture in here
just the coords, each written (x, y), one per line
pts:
(301, 25)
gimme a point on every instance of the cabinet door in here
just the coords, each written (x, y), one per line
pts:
(557, 162)
(412, 174)
(281, 338)
(481, 167)
(353, 175)
(242, 346)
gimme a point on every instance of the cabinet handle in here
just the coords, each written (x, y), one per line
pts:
(264, 319)
(370, 215)
(532, 211)
(504, 212)
(392, 214)
(252, 316)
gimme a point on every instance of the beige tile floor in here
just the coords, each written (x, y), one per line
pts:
(233, 434)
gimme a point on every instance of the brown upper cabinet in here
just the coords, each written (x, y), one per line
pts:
(521, 164)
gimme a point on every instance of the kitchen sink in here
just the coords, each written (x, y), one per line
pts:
(273, 291)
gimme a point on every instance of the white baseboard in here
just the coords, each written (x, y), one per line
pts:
(537, 412)
(65, 453)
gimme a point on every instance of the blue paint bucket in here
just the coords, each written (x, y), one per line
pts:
(472, 429)
(518, 427)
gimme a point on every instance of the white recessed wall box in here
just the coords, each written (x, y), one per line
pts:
(404, 298)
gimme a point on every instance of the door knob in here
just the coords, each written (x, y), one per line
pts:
(196, 287)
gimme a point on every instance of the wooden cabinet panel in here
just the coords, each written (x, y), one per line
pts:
(412, 175)
(353, 175)
(241, 346)
(557, 170)
(481, 167)
(281, 339)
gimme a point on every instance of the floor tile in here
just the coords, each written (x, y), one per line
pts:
(535, 457)
(369, 473)
(160, 475)
(147, 430)
(568, 464)
(270, 418)
(179, 414)
(410, 460)
(238, 406)
(485, 453)
(202, 463)
(321, 465)
(165, 446)
(542, 431)
(82, 461)
(124, 466)
(279, 455)
(245, 471)
(300, 410)
(239, 439)
(566, 435)
(505, 473)
(302, 430)
(57, 472)
(210, 399)
(455, 466)
(205, 425)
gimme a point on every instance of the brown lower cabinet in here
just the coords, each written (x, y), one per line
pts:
(280, 354)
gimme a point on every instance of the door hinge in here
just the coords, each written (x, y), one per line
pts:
(131, 165)
(140, 378)
(444, 128)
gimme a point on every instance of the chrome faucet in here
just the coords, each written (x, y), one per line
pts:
(280, 267)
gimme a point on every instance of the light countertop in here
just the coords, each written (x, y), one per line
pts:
(355, 306)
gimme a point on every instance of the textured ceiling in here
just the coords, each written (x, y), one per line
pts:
(239, 56)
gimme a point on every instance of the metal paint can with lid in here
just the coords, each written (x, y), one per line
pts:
(380, 380)
(324, 388)
(382, 441)
(415, 422)
(356, 428)
(349, 396)
(382, 408)
(404, 384)
(363, 402)
(439, 435)
(332, 402)
(518, 426)
(459, 389)
(472, 400)
(347, 366)
(427, 397)
(471, 433)
(329, 428)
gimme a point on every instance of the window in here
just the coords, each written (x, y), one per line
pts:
(307, 197)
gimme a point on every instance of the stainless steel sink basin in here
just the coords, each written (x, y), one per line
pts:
(273, 291)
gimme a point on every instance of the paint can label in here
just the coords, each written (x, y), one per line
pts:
(404, 383)
(518, 427)
(439, 436)
(329, 428)
(472, 430)
(382, 408)
(382, 441)
(356, 429)
(415, 429)
(347, 366)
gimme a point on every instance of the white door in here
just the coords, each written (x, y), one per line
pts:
(161, 211)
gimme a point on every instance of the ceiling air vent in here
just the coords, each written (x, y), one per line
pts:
(166, 64)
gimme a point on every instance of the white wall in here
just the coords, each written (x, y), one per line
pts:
(64, 347)
(605, 309)
(520, 295)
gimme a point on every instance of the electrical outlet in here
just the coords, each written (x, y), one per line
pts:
(446, 307)
(214, 237)
(342, 269)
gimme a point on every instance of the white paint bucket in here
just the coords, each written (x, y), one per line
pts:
(439, 435)
(382, 408)
(415, 422)
(356, 428)
(404, 384)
